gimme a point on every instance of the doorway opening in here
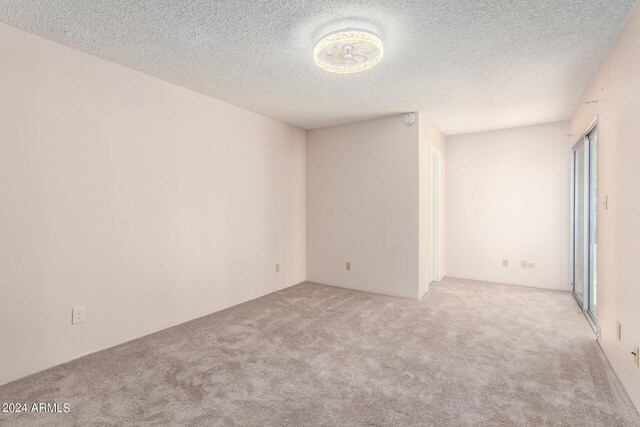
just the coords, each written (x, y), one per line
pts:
(585, 222)
(434, 216)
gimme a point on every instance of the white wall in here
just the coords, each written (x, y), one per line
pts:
(362, 206)
(508, 197)
(616, 88)
(146, 202)
(429, 138)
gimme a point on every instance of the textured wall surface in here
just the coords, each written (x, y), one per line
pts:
(362, 206)
(508, 197)
(616, 90)
(470, 65)
(147, 202)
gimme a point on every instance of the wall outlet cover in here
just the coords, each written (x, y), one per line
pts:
(524, 264)
(78, 314)
(348, 265)
(277, 268)
(505, 263)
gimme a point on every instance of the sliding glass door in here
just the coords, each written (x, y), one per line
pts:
(593, 221)
(585, 222)
(579, 222)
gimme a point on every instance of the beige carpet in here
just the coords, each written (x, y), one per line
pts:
(469, 353)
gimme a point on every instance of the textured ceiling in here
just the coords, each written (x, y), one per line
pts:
(470, 65)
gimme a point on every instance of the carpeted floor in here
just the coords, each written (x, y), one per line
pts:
(469, 353)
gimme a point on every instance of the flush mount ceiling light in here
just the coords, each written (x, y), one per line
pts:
(348, 51)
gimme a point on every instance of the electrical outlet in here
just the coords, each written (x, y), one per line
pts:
(78, 314)
(348, 265)
(277, 268)
(531, 265)
(524, 264)
(619, 331)
(636, 356)
(505, 263)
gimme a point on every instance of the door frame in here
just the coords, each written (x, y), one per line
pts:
(435, 214)
(584, 304)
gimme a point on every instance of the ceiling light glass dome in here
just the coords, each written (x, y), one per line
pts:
(348, 51)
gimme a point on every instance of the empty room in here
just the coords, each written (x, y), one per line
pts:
(319, 213)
